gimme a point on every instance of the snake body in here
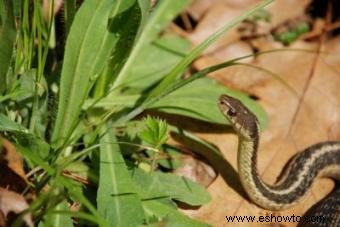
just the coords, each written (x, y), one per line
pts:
(319, 160)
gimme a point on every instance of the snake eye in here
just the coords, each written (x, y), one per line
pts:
(231, 112)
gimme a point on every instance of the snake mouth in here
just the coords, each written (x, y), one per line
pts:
(225, 102)
(223, 98)
(223, 106)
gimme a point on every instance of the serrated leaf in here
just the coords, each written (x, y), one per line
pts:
(155, 132)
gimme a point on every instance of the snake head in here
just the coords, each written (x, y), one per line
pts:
(241, 118)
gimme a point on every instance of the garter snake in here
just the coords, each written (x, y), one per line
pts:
(319, 160)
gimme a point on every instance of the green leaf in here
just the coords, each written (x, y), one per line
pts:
(75, 191)
(158, 185)
(155, 60)
(117, 200)
(173, 75)
(199, 100)
(26, 85)
(155, 132)
(292, 34)
(34, 158)
(169, 216)
(92, 37)
(69, 13)
(7, 39)
(192, 137)
(260, 15)
(126, 27)
(111, 101)
(7, 125)
(23, 137)
(164, 12)
(58, 220)
(174, 159)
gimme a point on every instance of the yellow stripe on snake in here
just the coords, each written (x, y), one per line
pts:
(319, 160)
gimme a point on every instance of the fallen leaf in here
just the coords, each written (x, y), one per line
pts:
(196, 170)
(292, 126)
(12, 175)
(13, 202)
(214, 14)
(209, 24)
(12, 157)
(317, 120)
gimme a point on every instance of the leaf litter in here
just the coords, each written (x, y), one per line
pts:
(311, 68)
(13, 182)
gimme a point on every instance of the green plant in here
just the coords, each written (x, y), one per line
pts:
(292, 34)
(78, 113)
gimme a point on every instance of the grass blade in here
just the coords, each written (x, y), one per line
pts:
(7, 39)
(181, 66)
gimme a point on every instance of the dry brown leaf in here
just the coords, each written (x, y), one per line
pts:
(317, 120)
(214, 14)
(198, 8)
(291, 127)
(12, 158)
(283, 10)
(46, 8)
(13, 202)
(12, 175)
(196, 170)
(209, 24)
